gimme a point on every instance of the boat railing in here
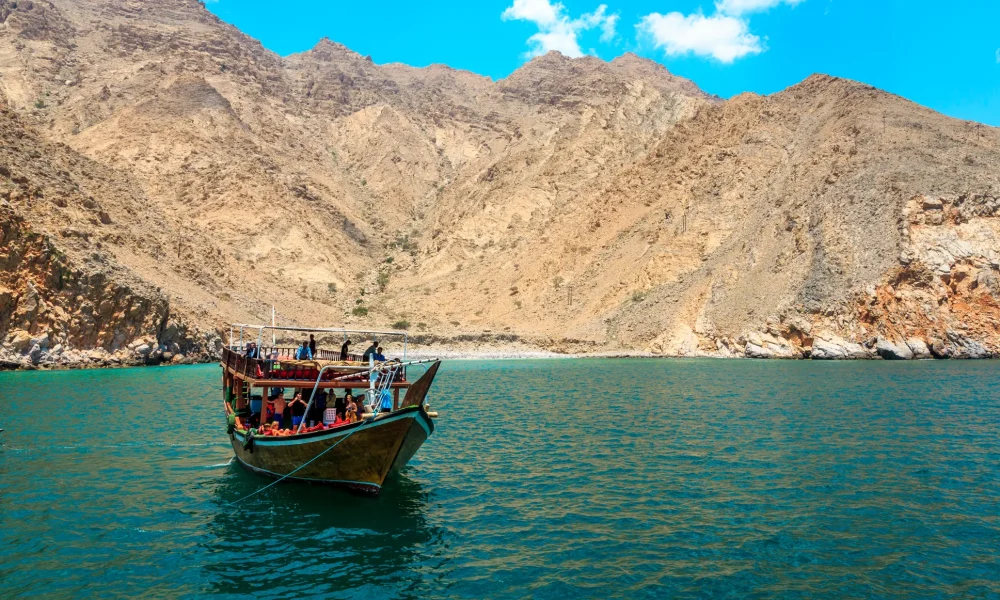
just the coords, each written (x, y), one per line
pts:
(239, 363)
(288, 353)
(380, 376)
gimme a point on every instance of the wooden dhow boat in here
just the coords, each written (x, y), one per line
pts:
(356, 453)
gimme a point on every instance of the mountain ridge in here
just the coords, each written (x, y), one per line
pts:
(575, 205)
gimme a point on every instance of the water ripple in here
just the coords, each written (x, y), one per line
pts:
(545, 479)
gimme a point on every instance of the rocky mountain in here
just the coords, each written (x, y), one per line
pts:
(577, 205)
(63, 297)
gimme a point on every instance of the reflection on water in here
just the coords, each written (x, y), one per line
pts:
(306, 539)
(543, 479)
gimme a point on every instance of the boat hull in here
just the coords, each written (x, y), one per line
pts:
(359, 456)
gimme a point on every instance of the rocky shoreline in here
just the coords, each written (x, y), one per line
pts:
(21, 351)
(952, 346)
(833, 349)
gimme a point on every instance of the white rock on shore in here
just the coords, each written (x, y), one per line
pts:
(957, 345)
(764, 345)
(893, 351)
(919, 349)
(831, 347)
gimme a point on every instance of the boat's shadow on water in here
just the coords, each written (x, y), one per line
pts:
(298, 538)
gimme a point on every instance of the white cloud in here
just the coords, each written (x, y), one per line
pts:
(725, 36)
(542, 12)
(742, 7)
(556, 30)
(608, 28)
(722, 37)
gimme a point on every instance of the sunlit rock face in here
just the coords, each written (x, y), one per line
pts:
(192, 178)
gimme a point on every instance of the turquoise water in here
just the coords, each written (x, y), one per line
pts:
(544, 479)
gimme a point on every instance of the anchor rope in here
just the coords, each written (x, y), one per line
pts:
(297, 469)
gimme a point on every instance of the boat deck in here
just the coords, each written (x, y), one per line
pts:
(280, 369)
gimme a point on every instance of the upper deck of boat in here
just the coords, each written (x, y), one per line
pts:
(278, 367)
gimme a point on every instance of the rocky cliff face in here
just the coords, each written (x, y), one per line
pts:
(797, 209)
(576, 205)
(64, 299)
(55, 313)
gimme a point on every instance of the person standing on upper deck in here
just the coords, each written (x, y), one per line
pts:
(303, 352)
(345, 350)
(312, 346)
(371, 351)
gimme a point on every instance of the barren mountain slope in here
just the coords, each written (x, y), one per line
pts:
(756, 211)
(806, 203)
(576, 204)
(63, 294)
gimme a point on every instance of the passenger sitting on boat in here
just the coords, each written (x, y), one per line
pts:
(298, 409)
(352, 411)
(379, 357)
(371, 351)
(340, 405)
(252, 351)
(361, 408)
(345, 350)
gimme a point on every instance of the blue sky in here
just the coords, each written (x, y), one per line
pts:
(945, 55)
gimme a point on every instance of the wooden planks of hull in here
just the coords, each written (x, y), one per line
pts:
(361, 461)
